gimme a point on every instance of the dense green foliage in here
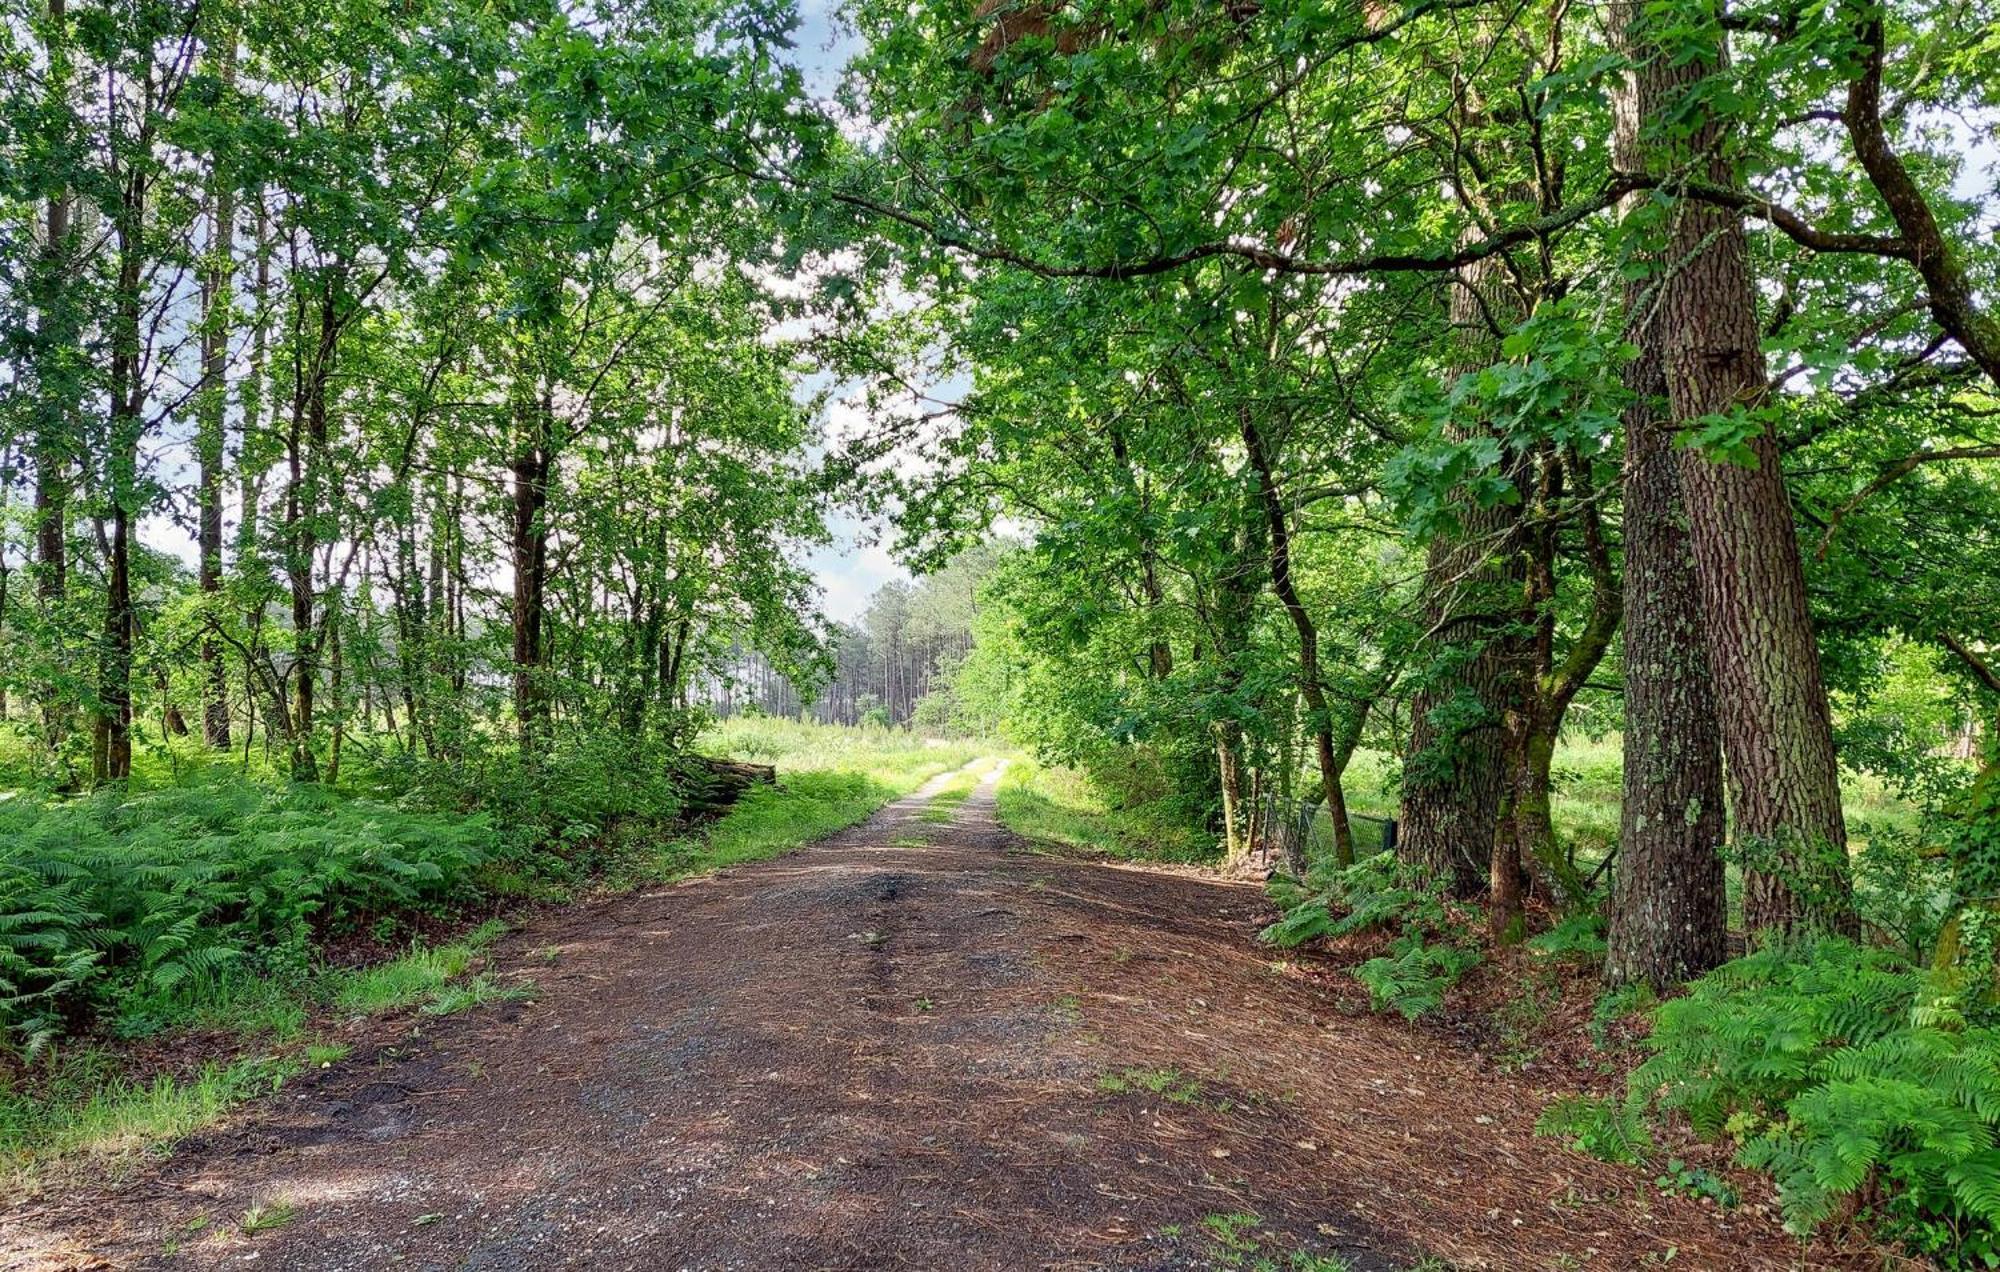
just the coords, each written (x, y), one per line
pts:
(149, 890)
(1841, 1070)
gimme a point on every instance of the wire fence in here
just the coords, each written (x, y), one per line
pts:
(1290, 833)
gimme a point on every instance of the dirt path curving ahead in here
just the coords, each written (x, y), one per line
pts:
(918, 1044)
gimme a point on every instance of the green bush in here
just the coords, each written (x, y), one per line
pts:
(1375, 892)
(1838, 1069)
(1414, 976)
(151, 889)
(562, 805)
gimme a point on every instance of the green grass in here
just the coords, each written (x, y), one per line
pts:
(430, 978)
(829, 778)
(944, 804)
(1170, 1085)
(1237, 1239)
(888, 755)
(77, 1111)
(265, 1216)
(1060, 806)
(84, 1117)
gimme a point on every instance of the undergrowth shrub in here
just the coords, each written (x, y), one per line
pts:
(148, 890)
(564, 806)
(1841, 1070)
(1432, 952)
(1413, 977)
(1374, 892)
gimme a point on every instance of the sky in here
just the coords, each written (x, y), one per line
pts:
(856, 563)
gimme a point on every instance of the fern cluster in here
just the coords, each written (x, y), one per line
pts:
(1609, 1130)
(1375, 892)
(149, 890)
(1430, 954)
(1577, 937)
(566, 803)
(1839, 1071)
(1414, 976)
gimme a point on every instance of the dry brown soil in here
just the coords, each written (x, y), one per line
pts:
(890, 1050)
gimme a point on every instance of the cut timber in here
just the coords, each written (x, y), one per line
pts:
(714, 784)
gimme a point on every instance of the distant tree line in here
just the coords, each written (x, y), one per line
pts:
(896, 664)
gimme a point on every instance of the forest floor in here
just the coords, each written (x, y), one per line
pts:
(921, 1043)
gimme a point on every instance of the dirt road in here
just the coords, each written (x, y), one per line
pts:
(920, 1044)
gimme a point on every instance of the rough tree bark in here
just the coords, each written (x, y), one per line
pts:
(1668, 907)
(1455, 775)
(1777, 732)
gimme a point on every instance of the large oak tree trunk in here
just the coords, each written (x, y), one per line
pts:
(1668, 910)
(1455, 774)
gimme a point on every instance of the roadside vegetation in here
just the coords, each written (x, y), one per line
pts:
(201, 936)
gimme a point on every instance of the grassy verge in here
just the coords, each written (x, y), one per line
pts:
(1059, 805)
(89, 1108)
(829, 778)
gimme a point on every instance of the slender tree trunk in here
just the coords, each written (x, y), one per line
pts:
(111, 751)
(1311, 687)
(1229, 766)
(53, 428)
(311, 459)
(531, 465)
(1777, 730)
(336, 691)
(1668, 905)
(215, 302)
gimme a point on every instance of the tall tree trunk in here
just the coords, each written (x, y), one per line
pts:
(1229, 767)
(530, 466)
(1668, 905)
(1455, 774)
(1777, 730)
(111, 752)
(215, 301)
(310, 458)
(1311, 687)
(337, 691)
(57, 416)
